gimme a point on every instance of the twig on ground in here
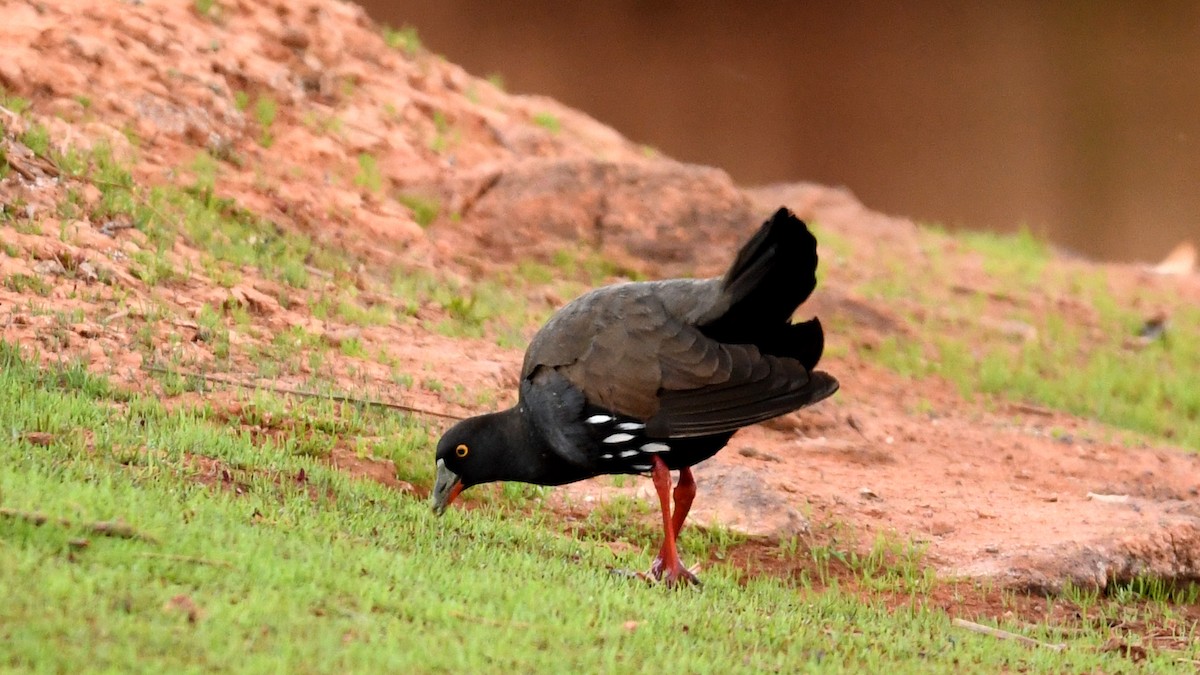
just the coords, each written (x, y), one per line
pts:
(110, 228)
(1005, 635)
(21, 169)
(340, 398)
(1108, 499)
(489, 622)
(1031, 409)
(186, 558)
(104, 528)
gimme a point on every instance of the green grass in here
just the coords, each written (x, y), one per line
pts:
(233, 235)
(153, 268)
(498, 308)
(404, 39)
(208, 9)
(548, 121)
(37, 138)
(590, 267)
(13, 103)
(424, 210)
(25, 283)
(508, 306)
(351, 311)
(265, 112)
(205, 169)
(368, 177)
(1085, 360)
(445, 134)
(229, 235)
(258, 557)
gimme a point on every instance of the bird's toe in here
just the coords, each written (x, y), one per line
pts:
(673, 574)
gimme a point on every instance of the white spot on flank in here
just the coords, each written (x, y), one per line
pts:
(629, 453)
(619, 438)
(631, 426)
(641, 467)
(598, 419)
(607, 455)
(655, 447)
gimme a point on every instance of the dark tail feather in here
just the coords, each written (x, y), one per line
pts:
(774, 272)
(804, 341)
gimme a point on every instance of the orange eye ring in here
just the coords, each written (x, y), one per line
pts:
(461, 451)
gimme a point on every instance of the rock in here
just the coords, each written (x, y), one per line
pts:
(791, 422)
(59, 77)
(87, 271)
(51, 267)
(680, 217)
(12, 76)
(737, 498)
(1181, 261)
(867, 493)
(755, 453)
(295, 39)
(256, 301)
(1108, 499)
(87, 48)
(87, 330)
(941, 528)
(335, 337)
(1171, 552)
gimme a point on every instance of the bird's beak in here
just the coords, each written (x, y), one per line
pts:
(445, 488)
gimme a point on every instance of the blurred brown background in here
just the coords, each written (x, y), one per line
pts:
(1080, 119)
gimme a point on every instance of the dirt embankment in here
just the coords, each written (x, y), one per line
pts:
(319, 127)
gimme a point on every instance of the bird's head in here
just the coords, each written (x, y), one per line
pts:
(473, 451)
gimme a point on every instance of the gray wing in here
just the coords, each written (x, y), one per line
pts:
(630, 351)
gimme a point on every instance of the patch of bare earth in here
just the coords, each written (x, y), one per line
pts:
(988, 489)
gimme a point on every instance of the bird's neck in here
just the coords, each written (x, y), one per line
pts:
(530, 458)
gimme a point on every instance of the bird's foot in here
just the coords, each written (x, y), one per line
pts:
(673, 574)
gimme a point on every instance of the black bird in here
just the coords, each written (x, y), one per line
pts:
(650, 377)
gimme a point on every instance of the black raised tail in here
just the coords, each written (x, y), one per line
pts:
(774, 273)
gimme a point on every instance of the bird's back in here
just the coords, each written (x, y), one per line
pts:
(571, 333)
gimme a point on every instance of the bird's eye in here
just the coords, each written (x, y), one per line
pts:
(461, 450)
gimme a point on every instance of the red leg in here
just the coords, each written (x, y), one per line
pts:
(667, 565)
(685, 492)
